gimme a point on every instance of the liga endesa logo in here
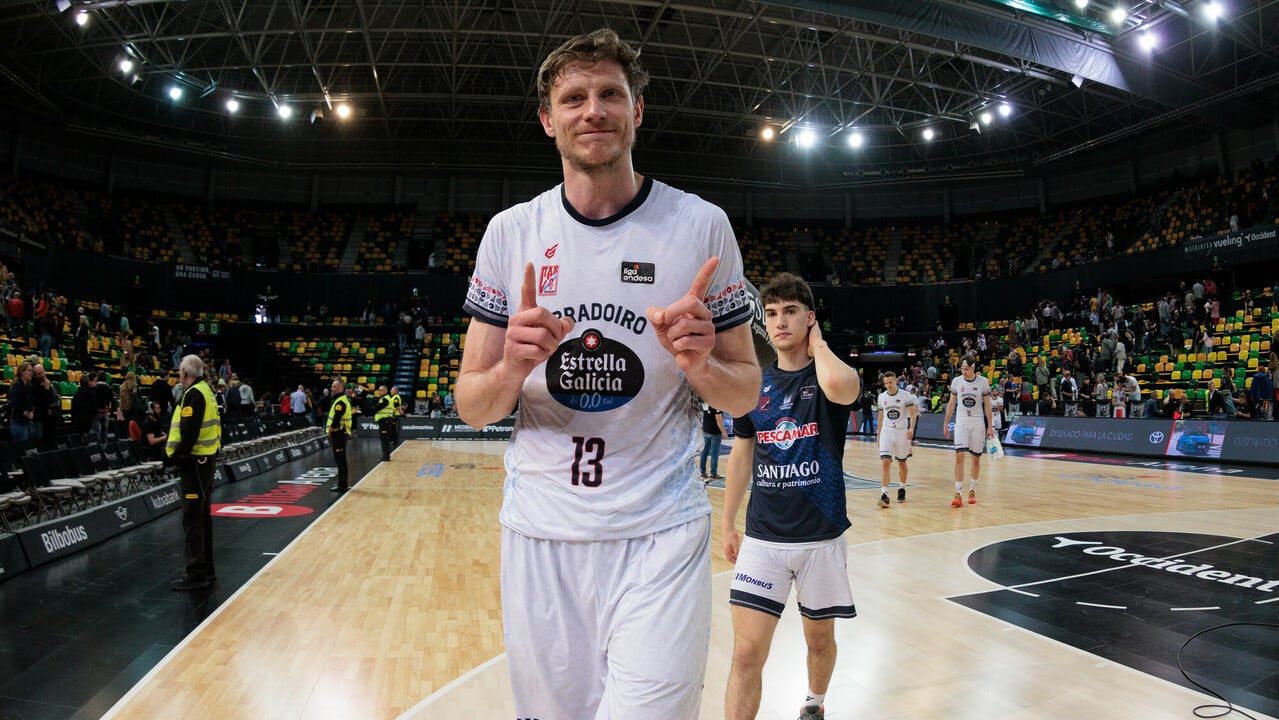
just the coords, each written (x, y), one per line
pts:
(280, 502)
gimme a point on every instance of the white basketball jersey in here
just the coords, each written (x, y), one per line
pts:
(606, 437)
(968, 395)
(896, 409)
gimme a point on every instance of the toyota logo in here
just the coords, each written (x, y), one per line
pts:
(1156, 437)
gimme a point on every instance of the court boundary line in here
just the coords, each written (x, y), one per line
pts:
(182, 644)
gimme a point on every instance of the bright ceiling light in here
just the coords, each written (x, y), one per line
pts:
(1005, 110)
(232, 105)
(986, 117)
(175, 93)
(285, 112)
(854, 140)
(1213, 11)
(1147, 40)
(126, 66)
(929, 134)
(807, 138)
(767, 133)
(1081, 4)
(82, 18)
(343, 111)
(1118, 15)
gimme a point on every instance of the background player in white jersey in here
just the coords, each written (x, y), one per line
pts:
(792, 446)
(970, 406)
(606, 527)
(898, 415)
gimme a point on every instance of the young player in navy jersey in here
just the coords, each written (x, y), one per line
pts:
(792, 447)
(601, 306)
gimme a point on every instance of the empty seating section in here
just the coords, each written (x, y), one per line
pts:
(463, 239)
(382, 236)
(923, 257)
(366, 362)
(764, 252)
(310, 241)
(857, 256)
(437, 370)
(216, 236)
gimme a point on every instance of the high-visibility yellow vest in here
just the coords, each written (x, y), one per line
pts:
(210, 439)
(345, 420)
(395, 403)
(386, 411)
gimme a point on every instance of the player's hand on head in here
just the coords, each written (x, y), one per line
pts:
(685, 327)
(532, 333)
(814, 338)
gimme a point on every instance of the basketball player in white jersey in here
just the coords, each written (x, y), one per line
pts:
(970, 406)
(791, 445)
(898, 415)
(601, 306)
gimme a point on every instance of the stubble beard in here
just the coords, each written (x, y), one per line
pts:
(579, 163)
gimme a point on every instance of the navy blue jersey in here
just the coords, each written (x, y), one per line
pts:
(798, 465)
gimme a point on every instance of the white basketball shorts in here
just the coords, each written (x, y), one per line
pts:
(894, 444)
(608, 630)
(765, 571)
(971, 437)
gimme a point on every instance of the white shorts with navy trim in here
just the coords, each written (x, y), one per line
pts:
(894, 444)
(971, 437)
(765, 571)
(608, 630)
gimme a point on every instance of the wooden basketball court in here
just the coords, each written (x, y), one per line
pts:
(388, 606)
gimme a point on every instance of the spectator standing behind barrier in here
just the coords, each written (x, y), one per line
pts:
(47, 405)
(195, 436)
(154, 432)
(129, 402)
(1263, 391)
(82, 343)
(1043, 379)
(338, 426)
(105, 404)
(84, 405)
(21, 404)
(248, 404)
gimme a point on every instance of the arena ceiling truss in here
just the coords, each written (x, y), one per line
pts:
(450, 85)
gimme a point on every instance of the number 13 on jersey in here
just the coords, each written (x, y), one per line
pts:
(588, 456)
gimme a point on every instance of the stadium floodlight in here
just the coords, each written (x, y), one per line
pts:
(807, 138)
(175, 93)
(343, 110)
(1118, 15)
(986, 117)
(1147, 40)
(855, 140)
(126, 66)
(1081, 4)
(82, 18)
(232, 105)
(767, 134)
(63, 5)
(929, 134)
(1213, 11)
(285, 112)
(1005, 110)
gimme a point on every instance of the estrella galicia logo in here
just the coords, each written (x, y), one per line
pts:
(894, 413)
(970, 402)
(593, 373)
(638, 272)
(1156, 437)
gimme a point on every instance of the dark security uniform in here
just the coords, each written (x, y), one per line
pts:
(384, 414)
(339, 428)
(195, 436)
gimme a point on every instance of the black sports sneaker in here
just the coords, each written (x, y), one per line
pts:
(883, 500)
(901, 494)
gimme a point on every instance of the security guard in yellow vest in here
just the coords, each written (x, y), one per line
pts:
(384, 414)
(195, 436)
(398, 403)
(338, 426)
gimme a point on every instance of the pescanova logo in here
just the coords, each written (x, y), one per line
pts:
(593, 373)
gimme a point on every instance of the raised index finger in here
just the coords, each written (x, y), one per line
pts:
(528, 291)
(702, 282)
